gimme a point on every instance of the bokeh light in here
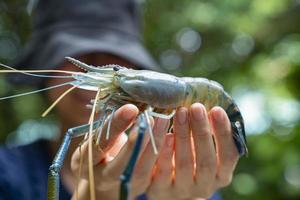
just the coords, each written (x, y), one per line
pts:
(32, 130)
(170, 59)
(244, 184)
(243, 44)
(253, 106)
(292, 175)
(189, 40)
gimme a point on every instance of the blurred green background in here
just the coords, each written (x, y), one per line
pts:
(251, 47)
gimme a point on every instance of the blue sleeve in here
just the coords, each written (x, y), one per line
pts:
(24, 173)
(12, 176)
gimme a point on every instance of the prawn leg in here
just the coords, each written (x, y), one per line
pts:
(127, 174)
(54, 169)
(160, 115)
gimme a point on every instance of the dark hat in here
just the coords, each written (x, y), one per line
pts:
(74, 27)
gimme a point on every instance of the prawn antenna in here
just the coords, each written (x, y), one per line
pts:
(27, 72)
(36, 91)
(90, 149)
(58, 100)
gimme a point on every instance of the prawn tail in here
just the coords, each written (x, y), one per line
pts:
(238, 128)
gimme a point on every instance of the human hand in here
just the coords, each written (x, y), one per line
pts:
(110, 162)
(200, 167)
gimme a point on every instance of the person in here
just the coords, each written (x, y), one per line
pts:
(99, 33)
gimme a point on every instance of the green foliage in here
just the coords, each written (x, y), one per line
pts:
(251, 47)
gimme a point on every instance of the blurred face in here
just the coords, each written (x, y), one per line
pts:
(72, 108)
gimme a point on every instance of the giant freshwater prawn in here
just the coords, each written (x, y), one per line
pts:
(155, 94)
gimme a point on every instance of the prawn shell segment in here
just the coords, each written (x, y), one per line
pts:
(155, 89)
(207, 92)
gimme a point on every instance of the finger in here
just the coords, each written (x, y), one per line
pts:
(116, 167)
(226, 150)
(121, 141)
(143, 170)
(183, 151)
(79, 160)
(122, 119)
(164, 166)
(205, 153)
(117, 146)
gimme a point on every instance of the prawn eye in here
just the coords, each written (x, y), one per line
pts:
(116, 68)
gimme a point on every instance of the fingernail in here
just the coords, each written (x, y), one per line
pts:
(218, 114)
(197, 112)
(182, 115)
(129, 112)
